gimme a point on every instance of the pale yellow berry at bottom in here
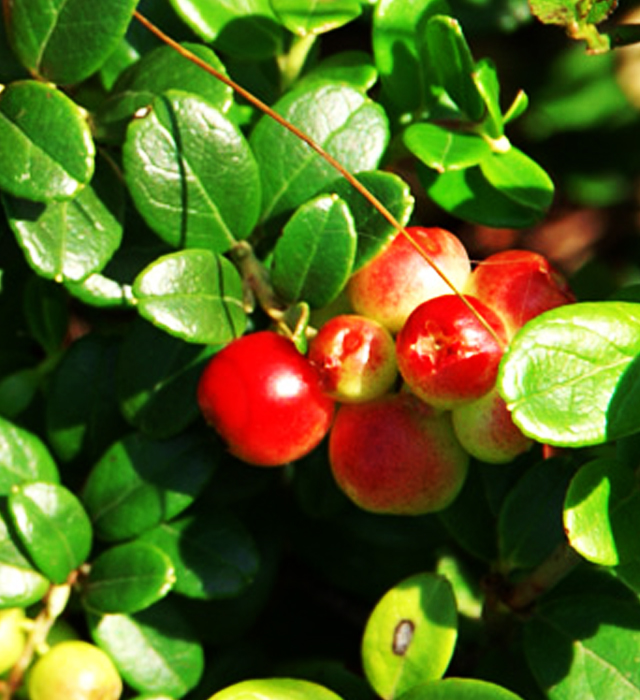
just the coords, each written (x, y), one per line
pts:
(12, 637)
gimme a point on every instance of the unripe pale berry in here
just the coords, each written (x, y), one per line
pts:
(12, 637)
(74, 670)
(390, 287)
(397, 455)
(356, 358)
(446, 355)
(265, 400)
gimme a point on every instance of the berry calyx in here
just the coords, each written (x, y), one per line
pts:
(265, 400)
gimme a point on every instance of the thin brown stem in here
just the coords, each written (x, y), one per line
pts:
(351, 179)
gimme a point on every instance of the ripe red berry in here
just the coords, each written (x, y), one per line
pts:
(265, 400)
(445, 355)
(397, 455)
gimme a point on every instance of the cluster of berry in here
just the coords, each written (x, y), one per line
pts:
(412, 367)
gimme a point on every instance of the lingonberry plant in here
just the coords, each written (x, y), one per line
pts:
(386, 249)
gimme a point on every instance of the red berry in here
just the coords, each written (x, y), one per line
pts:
(265, 400)
(445, 355)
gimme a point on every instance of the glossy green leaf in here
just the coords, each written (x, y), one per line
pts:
(275, 689)
(23, 458)
(405, 70)
(374, 231)
(82, 416)
(213, 553)
(191, 173)
(517, 107)
(303, 17)
(101, 291)
(459, 689)
(586, 645)
(485, 77)
(193, 294)
(248, 29)
(602, 513)
(45, 143)
(155, 650)
(50, 36)
(53, 527)
(128, 578)
(410, 635)
(355, 68)
(341, 119)
(314, 255)
(443, 149)
(157, 377)
(569, 377)
(138, 484)
(530, 522)
(20, 584)
(67, 241)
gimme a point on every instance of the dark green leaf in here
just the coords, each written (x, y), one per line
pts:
(46, 309)
(314, 255)
(191, 173)
(51, 36)
(530, 522)
(374, 231)
(20, 584)
(213, 554)
(53, 527)
(128, 578)
(67, 241)
(341, 119)
(602, 513)
(82, 416)
(249, 29)
(410, 635)
(454, 65)
(17, 391)
(157, 377)
(459, 689)
(586, 645)
(312, 17)
(23, 458)
(155, 650)
(193, 294)
(276, 689)
(570, 376)
(443, 149)
(45, 143)
(138, 484)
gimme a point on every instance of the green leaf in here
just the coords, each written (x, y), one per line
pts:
(569, 376)
(155, 650)
(46, 309)
(136, 484)
(530, 523)
(485, 77)
(303, 17)
(410, 635)
(454, 65)
(82, 416)
(23, 458)
(157, 378)
(101, 292)
(374, 231)
(249, 29)
(53, 527)
(191, 173)
(443, 149)
(459, 689)
(355, 68)
(586, 646)
(314, 255)
(20, 584)
(67, 241)
(213, 553)
(51, 36)
(128, 578)
(193, 294)
(341, 119)
(275, 689)
(602, 513)
(45, 143)
(405, 71)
